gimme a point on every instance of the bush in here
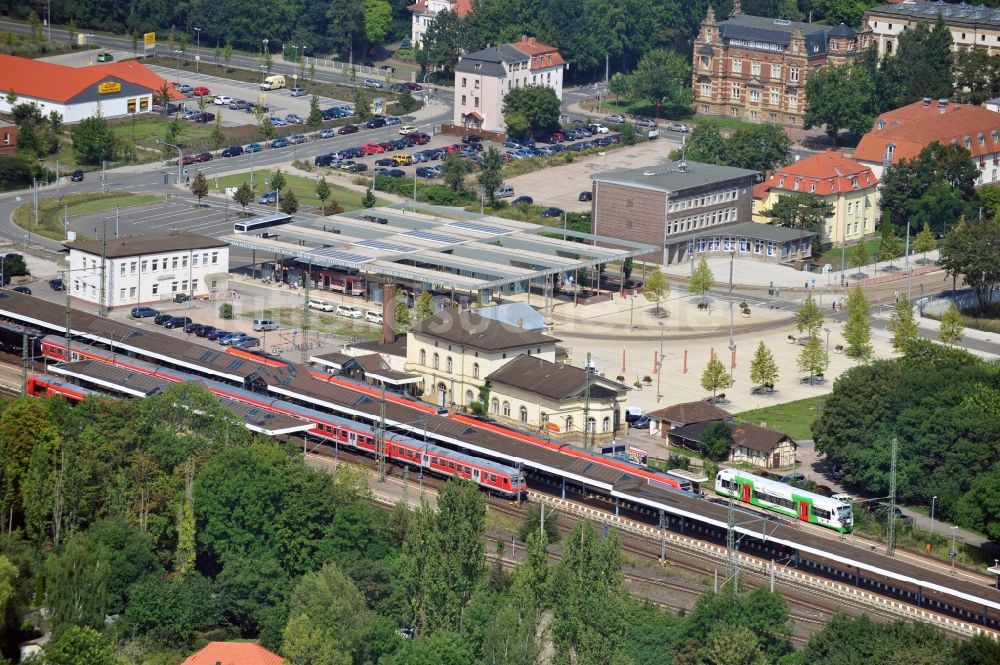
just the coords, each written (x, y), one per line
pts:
(17, 170)
(477, 408)
(225, 311)
(533, 520)
(333, 207)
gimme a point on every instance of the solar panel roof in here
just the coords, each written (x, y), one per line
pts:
(433, 237)
(387, 246)
(339, 255)
(482, 228)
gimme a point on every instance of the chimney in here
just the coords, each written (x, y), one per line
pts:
(388, 314)
(943, 105)
(927, 101)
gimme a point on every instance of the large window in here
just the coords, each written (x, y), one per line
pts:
(506, 408)
(423, 357)
(495, 406)
(523, 415)
(475, 370)
(437, 361)
(737, 65)
(449, 365)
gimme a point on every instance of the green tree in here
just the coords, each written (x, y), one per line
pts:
(925, 240)
(662, 77)
(627, 269)
(445, 40)
(533, 523)
(243, 195)
(840, 97)
(133, 557)
(531, 109)
(454, 170)
(951, 329)
(288, 202)
(168, 612)
(840, 638)
(315, 118)
(377, 19)
(406, 103)
(93, 140)
(972, 250)
(715, 377)
(81, 645)
(813, 358)
(716, 441)
(218, 136)
(266, 127)
(369, 199)
(629, 135)
(763, 368)
(729, 645)
(199, 186)
(323, 192)
(902, 326)
(402, 314)
(305, 642)
(809, 318)
(890, 248)
(337, 610)
(491, 174)
(424, 305)
(362, 107)
(859, 255)
(442, 647)
(227, 54)
(805, 212)
(757, 147)
(76, 585)
(937, 187)
(278, 181)
(858, 327)
(702, 280)
(656, 288)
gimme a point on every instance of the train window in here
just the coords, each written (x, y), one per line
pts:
(451, 465)
(506, 483)
(434, 460)
(468, 470)
(493, 477)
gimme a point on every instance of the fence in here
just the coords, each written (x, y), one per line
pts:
(964, 299)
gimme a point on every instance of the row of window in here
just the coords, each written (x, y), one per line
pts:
(174, 262)
(793, 72)
(701, 221)
(448, 363)
(703, 200)
(753, 94)
(504, 409)
(733, 244)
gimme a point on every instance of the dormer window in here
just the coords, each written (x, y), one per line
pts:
(968, 142)
(982, 138)
(881, 124)
(812, 187)
(479, 66)
(996, 136)
(798, 181)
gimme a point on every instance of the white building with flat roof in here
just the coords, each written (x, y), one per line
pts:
(146, 269)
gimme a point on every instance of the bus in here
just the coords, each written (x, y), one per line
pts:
(257, 224)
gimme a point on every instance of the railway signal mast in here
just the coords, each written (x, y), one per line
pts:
(890, 529)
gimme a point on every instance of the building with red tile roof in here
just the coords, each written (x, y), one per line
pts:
(234, 653)
(849, 186)
(904, 132)
(117, 88)
(425, 11)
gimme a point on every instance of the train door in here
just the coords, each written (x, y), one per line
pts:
(353, 438)
(475, 475)
(746, 494)
(803, 511)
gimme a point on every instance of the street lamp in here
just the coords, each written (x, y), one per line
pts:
(659, 364)
(197, 56)
(266, 52)
(827, 330)
(180, 157)
(933, 502)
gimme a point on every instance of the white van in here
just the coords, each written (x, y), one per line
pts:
(350, 311)
(261, 325)
(273, 82)
(373, 317)
(504, 191)
(321, 305)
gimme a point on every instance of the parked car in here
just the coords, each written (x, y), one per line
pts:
(598, 128)
(216, 335)
(268, 197)
(280, 142)
(277, 121)
(327, 133)
(192, 328)
(183, 88)
(552, 212)
(405, 43)
(373, 317)
(678, 127)
(254, 108)
(384, 161)
(350, 311)
(223, 100)
(586, 196)
(160, 319)
(426, 172)
(298, 92)
(396, 173)
(189, 115)
(504, 191)
(294, 119)
(57, 285)
(372, 83)
(645, 122)
(321, 305)
(105, 57)
(246, 343)
(203, 157)
(264, 325)
(233, 151)
(254, 147)
(204, 116)
(375, 123)
(77, 176)
(205, 330)
(230, 338)
(522, 201)
(176, 322)
(22, 289)
(296, 139)
(201, 91)
(407, 129)
(795, 477)
(393, 120)
(238, 104)
(371, 149)
(348, 129)
(617, 118)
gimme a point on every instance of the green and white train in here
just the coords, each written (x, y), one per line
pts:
(785, 499)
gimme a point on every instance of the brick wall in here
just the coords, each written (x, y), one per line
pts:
(630, 213)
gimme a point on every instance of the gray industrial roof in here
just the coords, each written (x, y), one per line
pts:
(148, 244)
(752, 230)
(466, 254)
(776, 31)
(955, 14)
(675, 177)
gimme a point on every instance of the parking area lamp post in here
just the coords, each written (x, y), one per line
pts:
(180, 157)
(197, 56)
(933, 503)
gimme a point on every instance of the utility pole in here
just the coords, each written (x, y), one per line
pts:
(69, 317)
(24, 362)
(380, 438)
(588, 373)
(104, 270)
(732, 556)
(890, 531)
(306, 283)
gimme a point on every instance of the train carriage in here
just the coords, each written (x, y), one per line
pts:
(785, 499)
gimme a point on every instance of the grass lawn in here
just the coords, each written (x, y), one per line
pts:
(304, 188)
(832, 255)
(643, 108)
(50, 210)
(792, 418)
(149, 127)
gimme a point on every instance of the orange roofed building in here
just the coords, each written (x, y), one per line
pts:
(234, 653)
(76, 93)
(849, 186)
(904, 132)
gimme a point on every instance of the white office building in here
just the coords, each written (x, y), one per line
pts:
(146, 269)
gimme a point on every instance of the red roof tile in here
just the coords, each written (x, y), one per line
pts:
(542, 55)
(58, 83)
(690, 412)
(234, 653)
(828, 172)
(915, 126)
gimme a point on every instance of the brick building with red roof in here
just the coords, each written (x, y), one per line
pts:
(234, 653)
(117, 88)
(849, 186)
(902, 133)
